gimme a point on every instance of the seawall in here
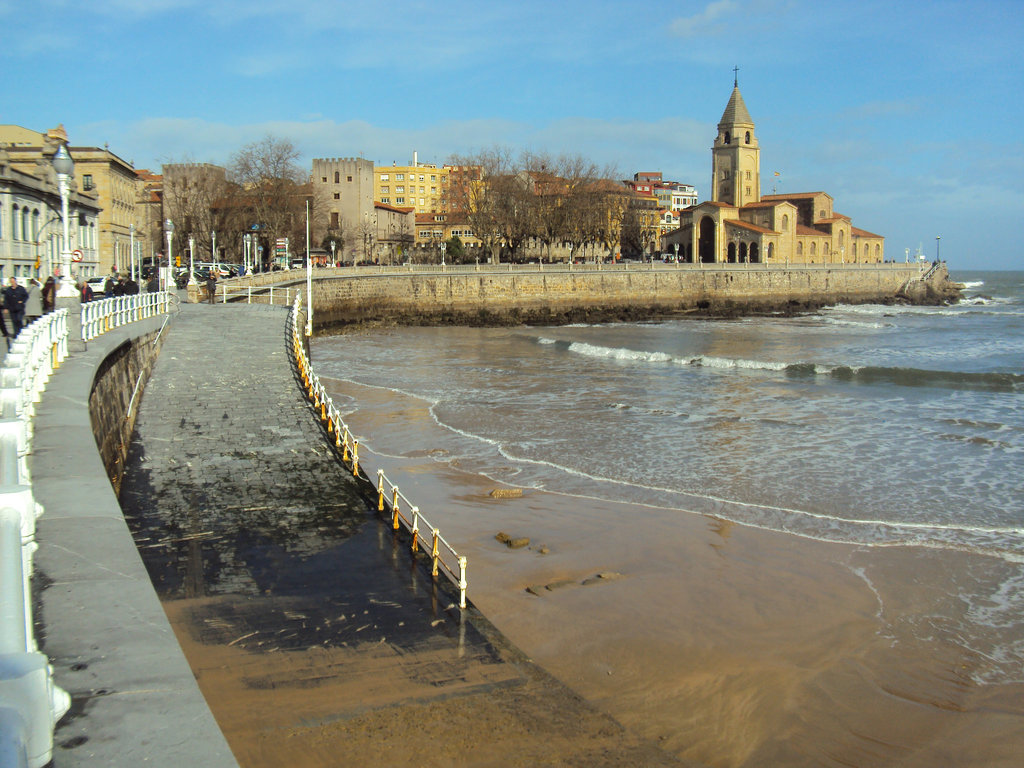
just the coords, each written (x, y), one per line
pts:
(505, 294)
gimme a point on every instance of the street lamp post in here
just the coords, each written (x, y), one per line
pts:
(246, 242)
(65, 167)
(309, 281)
(131, 250)
(333, 262)
(169, 229)
(213, 247)
(937, 238)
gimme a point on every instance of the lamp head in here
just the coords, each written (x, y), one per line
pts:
(62, 162)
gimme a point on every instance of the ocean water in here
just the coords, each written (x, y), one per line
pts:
(870, 425)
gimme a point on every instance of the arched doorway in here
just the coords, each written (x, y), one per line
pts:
(755, 253)
(706, 245)
(730, 253)
(743, 253)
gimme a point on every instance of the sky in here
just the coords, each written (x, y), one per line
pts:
(909, 114)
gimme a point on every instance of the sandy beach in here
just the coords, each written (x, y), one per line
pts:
(727, 645)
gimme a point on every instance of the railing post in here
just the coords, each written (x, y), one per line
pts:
(433, 552)
(380, 490)
(462, 582)
(415, 527)
(394, 507)
(355, 457)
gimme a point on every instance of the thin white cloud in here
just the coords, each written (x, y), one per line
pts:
(712, 20)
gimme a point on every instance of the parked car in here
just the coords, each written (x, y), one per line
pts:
(96, 285)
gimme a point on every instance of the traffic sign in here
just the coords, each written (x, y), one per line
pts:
(76, 255)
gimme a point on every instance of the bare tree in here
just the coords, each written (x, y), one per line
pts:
(273, 188)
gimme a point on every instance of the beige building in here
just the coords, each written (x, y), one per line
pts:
(100, 173)
(739, 224)
(31, 229)
(343, 197)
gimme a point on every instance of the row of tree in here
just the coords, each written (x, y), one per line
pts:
(262, 192)
(566, 202)
(508, 201)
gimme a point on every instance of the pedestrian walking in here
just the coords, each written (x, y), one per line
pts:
(85, 292)
(15, 297)
(211, 286)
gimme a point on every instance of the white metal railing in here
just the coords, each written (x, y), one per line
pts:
(442, 555)
(254, 294)
(31, 703)
(98, 317)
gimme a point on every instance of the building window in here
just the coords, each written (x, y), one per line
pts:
(400, 190)
(785, 222)
(799, 249)
(337, 177)
(383, 177)
(748, 137)
(349, 178)
(399, 200)
(337, 195)
(386, 190)
(87, 181)
(399, 177)
(334, 219)
(728, 137)
(323, 179)
(385, 199)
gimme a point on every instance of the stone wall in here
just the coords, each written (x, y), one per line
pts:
(122, 373)
(489, 295)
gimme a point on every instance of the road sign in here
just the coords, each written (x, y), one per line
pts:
(76, 255)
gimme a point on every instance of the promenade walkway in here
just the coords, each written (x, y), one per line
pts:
(313, 638)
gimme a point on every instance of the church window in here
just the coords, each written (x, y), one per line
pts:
(748, 191)
(841, 234)
(748, 175)
(748, 137)
(799, 249)
(727, 137)
(814, 248)
(785, 222)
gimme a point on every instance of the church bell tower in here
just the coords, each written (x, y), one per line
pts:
(735, 157)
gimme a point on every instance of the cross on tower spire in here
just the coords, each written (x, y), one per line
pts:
(735, 77)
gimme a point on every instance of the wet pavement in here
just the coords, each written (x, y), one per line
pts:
(305, 621)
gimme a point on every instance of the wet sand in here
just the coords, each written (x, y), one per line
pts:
(727, 645)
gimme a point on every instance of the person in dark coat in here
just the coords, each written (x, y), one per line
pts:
(15, 297)
(211, 286)
(49, 294)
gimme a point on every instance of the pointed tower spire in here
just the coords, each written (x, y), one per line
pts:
(735, 157)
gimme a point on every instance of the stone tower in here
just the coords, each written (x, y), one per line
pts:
(735, 157)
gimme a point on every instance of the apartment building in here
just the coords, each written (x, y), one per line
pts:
(422, 187)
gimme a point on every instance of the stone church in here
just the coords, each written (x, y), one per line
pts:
(740, 225)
